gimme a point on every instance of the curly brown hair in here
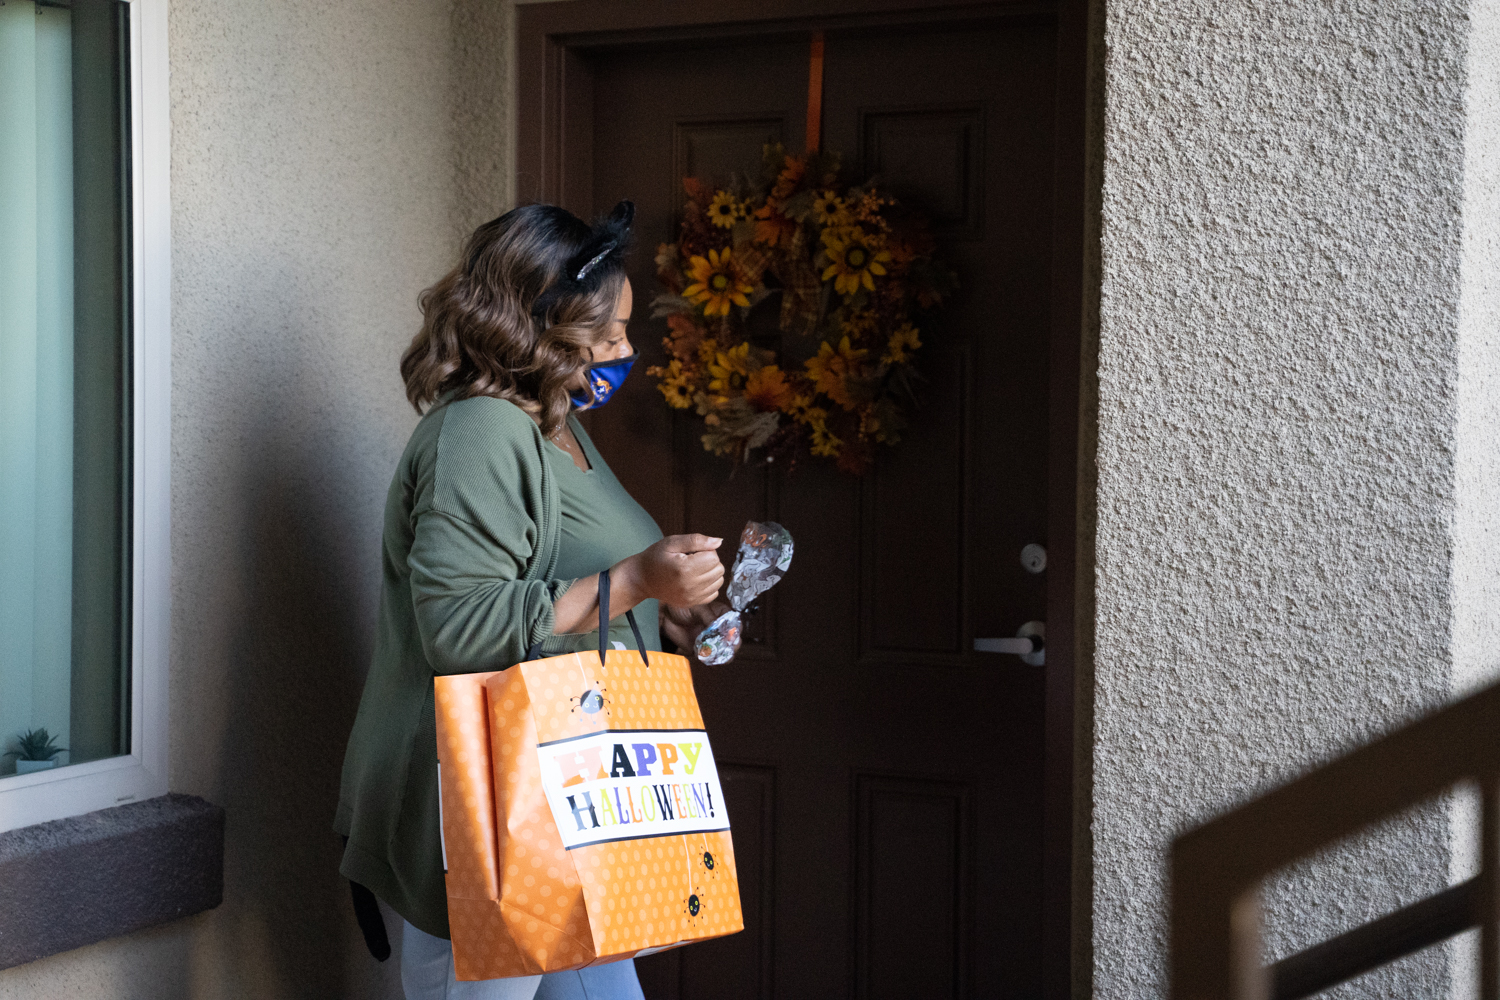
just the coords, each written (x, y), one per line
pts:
(479, 337)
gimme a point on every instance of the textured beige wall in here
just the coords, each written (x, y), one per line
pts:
(1297, 504)
(484, 93)
(1476, 516)
(1476, 527)
(316, 186)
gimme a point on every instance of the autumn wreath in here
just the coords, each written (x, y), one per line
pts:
(856, 279)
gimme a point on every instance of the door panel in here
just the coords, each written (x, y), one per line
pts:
(739, 966)
(913, 529)
(719, 146)
(934, 155)
(912, 872)
(888, 818)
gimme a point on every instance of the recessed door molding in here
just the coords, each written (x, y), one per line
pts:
(555, 164)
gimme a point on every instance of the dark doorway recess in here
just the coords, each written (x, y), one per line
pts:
(902, 805)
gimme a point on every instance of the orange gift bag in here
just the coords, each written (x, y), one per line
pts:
(582, 818)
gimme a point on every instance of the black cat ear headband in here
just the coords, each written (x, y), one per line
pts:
(601, 255)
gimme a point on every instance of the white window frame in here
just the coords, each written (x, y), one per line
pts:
(141, 774)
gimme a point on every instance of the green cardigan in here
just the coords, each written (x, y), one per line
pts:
(469, 551)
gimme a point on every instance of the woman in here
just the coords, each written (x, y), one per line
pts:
(498, 521)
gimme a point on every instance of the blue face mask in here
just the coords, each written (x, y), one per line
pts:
(603, 377)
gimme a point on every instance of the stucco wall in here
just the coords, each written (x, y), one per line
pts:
(1296, 505)
(314, 194)
(1476, 529)
(484, 94)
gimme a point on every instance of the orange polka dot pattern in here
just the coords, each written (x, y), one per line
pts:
(518, 902)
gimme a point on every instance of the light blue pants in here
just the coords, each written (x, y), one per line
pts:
(427, 974)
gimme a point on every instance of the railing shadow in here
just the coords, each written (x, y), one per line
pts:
(1217, 869)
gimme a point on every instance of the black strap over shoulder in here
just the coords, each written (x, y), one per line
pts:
(535, 652)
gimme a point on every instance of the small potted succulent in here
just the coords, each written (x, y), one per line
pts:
(37, 751)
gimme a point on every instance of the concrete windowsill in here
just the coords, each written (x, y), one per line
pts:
(76, 881)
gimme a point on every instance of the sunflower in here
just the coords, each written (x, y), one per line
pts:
(800, 406)
(675, 384)
(829, 209)
(854, 260)
(823, 440)
(816, 419)
(724, 211)
(904, 342)
(766, 389)
(831, 367)
(717, 283)
(728, 368)
(859, 322)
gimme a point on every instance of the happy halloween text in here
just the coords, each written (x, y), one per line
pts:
(628, 785)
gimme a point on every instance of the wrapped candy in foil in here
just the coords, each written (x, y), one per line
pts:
(765, 555)
(718, 643)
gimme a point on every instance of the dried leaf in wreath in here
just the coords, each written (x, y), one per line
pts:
(799, 205)
(743, 235)
(669, 305)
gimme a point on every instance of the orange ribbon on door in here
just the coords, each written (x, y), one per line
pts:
(815, 93)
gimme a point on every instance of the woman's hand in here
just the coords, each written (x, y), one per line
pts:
(682, 625)
(680, 569)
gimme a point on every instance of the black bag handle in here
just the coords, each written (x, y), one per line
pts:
(535, 652)
(371, 923)
(640, 644)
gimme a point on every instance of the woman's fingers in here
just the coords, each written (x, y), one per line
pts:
(683, 570)
(691, 619)
(700, 575)
(706, 589)
(691, 543)
(681, 637)
(677, 615)
(699, 590)
(702, 561)
(683, 623)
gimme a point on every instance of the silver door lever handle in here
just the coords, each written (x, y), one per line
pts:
(1030, 644)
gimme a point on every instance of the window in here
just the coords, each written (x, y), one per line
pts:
(84, 416)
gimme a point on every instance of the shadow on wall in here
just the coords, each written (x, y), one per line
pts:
(296, 664)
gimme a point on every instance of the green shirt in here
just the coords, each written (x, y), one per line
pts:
(487, 523)
(601, 524)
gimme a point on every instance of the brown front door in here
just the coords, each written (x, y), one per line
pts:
(885, 781)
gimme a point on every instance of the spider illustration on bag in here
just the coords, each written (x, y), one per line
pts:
(590, 702)
(695, 906)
